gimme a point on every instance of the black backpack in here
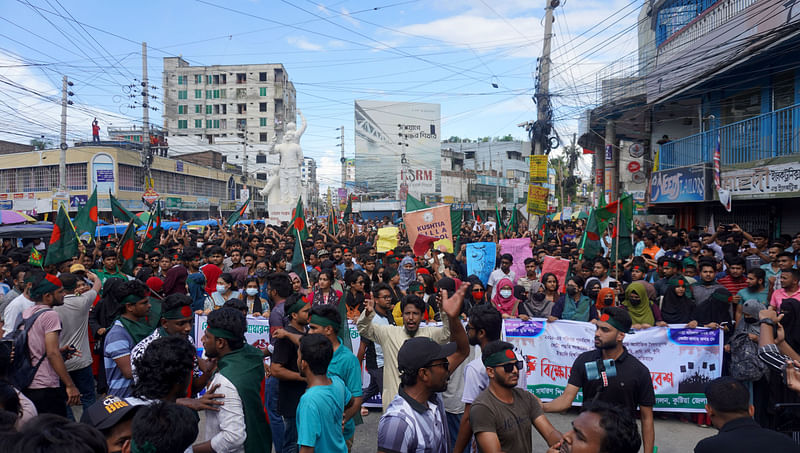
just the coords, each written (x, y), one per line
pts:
(22, 367)
(745, 364)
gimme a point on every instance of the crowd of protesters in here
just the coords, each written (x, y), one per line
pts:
(83, 333)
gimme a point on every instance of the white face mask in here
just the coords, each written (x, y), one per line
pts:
(220, 288)
(506, 293)
(199, 244)
(251, 291)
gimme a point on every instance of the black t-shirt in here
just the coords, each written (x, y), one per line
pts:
(631, 387)
(289, 392)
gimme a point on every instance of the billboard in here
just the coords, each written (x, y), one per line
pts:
(385, 131)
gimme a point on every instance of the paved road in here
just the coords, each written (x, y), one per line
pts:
(672, 436)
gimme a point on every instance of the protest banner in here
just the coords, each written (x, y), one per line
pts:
(538, 170)
(387, 239)
(681, 361)
(519, 249)
(481, 258)
(433, 222)
(557, 267)
(537, 199)
(257, 331)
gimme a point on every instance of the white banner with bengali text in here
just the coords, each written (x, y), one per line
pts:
(681, 361)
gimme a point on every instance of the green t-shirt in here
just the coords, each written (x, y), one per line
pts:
(345, 366)
(746, 295)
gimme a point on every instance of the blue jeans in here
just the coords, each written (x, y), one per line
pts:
(453, 425)
(84, 380)
(290, 435)
(275, 420)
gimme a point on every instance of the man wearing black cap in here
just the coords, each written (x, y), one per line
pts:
(502, 415)
(632, 385)
(111, 416)
(415, 420)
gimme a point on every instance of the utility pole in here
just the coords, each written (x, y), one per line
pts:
(148, 157)
(611, 161)
(62, 162)
(342, 160)
(543, 93)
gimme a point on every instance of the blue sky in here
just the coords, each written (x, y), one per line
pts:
(334, 51)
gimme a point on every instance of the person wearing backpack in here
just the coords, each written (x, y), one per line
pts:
(746, 366)
(43, 353)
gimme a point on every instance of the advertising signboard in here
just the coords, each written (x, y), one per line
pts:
(680, 185)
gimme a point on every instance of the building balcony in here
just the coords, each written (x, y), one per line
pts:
(772, 134)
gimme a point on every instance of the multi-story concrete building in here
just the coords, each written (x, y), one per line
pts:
(227, 103)
(308, 178)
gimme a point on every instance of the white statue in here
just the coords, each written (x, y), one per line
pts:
(285, 188)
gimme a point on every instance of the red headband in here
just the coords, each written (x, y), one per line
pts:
(53, 279)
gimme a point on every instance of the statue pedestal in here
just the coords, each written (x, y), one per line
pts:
(279, 212)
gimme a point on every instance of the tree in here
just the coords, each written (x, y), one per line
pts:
(505, 138)
(42, 143)
(454, 139)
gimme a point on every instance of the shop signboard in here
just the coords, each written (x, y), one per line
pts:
(681, 185)
(768, 181)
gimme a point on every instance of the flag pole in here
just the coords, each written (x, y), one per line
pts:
(616, 252)
(303, 256)
(583, 242)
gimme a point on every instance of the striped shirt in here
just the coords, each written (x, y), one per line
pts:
(119, 343)
(411, 427)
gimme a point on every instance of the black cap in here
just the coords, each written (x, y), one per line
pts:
(619, 318)
(420, 351)
(322, 253)
(107, 412)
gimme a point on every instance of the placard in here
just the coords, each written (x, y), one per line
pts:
(537, 199)
(520, 249)
(538, 170)
(481, 258)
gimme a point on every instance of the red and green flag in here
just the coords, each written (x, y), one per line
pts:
(127, 249)
(86, 219)
(298, 223)
(348, 210)
(152, 234)
(622, 233)
(237, 214)
(333, 223)
(119, 212)
(63, 243)
(591, 237)
(299, 262)
(36, 258)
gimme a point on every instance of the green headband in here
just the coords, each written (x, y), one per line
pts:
(295, 307)
(605, 317)
(222, 333)
(146, 447)
(323, 321)
(500, 358)
(179, 312)
(131, 299)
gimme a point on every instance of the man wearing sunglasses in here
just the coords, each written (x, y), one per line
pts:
(502, 415)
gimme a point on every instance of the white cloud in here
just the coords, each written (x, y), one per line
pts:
(346, 16)
(302, 43)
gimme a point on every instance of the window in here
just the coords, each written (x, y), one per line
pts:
(209, 79)
(223, 79)
(241, 77)
(261, 176)
(224, 108)
(241, 108)
(262, 122)
(223, 124)
(209, 94)
(261, 158)
(262, 76)
(198, 124)
(216, 124)
(181, 80)
(182, 124)
(262, 91)
(216, 94)
(241, 124)
(209, 123)
(198, 94)
(209, 109)
(183, 109)
(198, 78)
(216, 80)
(198, 108)
(182, 94)
(262, 106)
(222, 94)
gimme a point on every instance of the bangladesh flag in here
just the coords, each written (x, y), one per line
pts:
(623, 231)
(299, 262)
(63, 243)
(119, 212)
(127, 250)
(412, 204)
(86, 219)
(348, 209)
(152, 234)
(591, 237)
(298, 222)
(333, 222)
(36, 258)
(237, 214)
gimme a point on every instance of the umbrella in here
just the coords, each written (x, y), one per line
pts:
(8, 217)
(145, 216)
(26, 231)
(557, 216)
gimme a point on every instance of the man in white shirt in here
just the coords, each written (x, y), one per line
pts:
(504, 271)
(600, 271)
(19, 304)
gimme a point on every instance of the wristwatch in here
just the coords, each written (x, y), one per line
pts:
(767, 321)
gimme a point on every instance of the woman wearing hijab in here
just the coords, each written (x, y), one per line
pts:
(676, 307)
(643, 313)
(535, 306)
(408, 273)
(574, 305)
(592, 288)
(606, 297)
(790, 309)
(297, 284)
(714, 312)
(504, 299)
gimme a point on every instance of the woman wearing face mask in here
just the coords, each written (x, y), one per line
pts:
(643, 313)
(323, 293)
(574, 305)
(535, 306)
(250, 297)
(504, 299)
(226, 289)
(676, 307)
(475, 296)
(408, 273)
(592, 288)
(606, 297)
